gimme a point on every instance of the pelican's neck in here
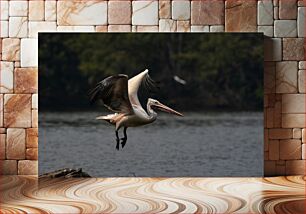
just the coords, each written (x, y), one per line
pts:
(151, 113)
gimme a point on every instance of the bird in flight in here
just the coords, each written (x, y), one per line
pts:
(120, 95)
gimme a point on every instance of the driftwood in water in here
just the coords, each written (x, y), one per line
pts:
(66, 173)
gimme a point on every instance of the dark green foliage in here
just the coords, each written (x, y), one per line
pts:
(223, 71)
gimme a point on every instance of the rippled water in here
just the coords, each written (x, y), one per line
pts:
(199, 144)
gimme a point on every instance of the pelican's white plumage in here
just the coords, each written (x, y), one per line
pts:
(121, 96)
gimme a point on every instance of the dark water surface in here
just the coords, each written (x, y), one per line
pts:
(199, 144)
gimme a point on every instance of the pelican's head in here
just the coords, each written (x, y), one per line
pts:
(155, 104)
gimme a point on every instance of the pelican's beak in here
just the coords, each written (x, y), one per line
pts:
(164, 108)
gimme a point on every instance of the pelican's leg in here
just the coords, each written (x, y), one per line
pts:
(117, 140)
(124, 139)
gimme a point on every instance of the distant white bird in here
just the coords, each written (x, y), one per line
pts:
(120, 95)
(179, 80)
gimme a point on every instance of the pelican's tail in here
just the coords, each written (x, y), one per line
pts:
(106, 117)
(111, 118)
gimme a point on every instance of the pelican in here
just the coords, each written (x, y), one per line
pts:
(120, 95)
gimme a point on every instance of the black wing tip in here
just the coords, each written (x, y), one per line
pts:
(102, 88)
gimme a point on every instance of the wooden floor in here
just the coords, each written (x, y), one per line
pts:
(138, 195)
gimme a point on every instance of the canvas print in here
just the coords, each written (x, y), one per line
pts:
(151, 105)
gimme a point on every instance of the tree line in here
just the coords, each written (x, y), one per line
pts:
(222, 71)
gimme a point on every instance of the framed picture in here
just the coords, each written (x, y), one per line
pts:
(211, 82)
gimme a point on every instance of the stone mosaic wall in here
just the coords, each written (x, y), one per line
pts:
(283, 21)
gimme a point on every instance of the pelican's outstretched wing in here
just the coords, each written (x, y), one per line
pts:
(113, 91)
(134, 83)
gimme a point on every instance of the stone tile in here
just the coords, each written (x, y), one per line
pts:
(271, 100)
(281, 162)
(29, 53)
(265, 12)
(293, 120)
(1, 110)
(181, 10)
(145, 13)
(34, 101)
(293, 103)
(290, 149)
(17, 110)
(8, 167)
(280, 133)
(269, 168)
(147, 28)
(295, 167)
(50, 10)
(216, 28)
(36, 10)
(286, 77)
(4, 10)
(32, 138)
(273, 150)
(27, 167)
(301, 82)
(164, 9)
(301, 22)
(74, 12)
(287, 9)
(37, 26)
(15, 143)
(18, 8)
(75, 29)
(272, 49)
(304, 135)
(101, 28)
(207, 12)
(278, 114)
(6, 77)
(275, 3)
(18, 27)
(26, 80)
(293, 49)
(301, 3)
(269, 77)
(269, 117)
(240, 16)
(2, 130)
(297, 133)
(265, 100)
(134, 29)
(119, 28)
(303, 151)
(11, 49)
(285, 28)
(183, 26)
(200, 28)
(167, 25)
(266, 30)
(280, 170)
(275, 13)
(119, 12)
(4, 29)
(266, 155)
(2, 146)
(34, 118)
(17, 64)
(266, 140)
(32, 154)
(302, 65)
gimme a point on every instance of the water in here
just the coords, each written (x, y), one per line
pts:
(199, 144)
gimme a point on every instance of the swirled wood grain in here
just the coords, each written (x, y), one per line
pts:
(139, 195)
